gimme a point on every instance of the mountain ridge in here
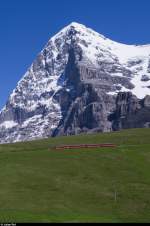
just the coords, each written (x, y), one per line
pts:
(73, 84)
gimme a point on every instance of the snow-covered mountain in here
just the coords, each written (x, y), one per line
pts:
(80, 82)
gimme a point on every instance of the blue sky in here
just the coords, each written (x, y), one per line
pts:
(26, 26)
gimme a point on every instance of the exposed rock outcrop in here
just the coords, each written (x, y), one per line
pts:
(131, 112)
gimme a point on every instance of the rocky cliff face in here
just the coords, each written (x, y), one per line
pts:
(131, 112)
(80, 82)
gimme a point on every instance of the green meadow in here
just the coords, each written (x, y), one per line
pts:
(41, 184)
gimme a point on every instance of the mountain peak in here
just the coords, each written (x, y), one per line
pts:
(73, 86)
(82, 28)
(76, 24)
(81, 31)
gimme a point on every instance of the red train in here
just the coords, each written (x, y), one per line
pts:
(85, 146)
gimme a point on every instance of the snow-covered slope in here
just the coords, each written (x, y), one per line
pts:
(97, 48)
(43, 97)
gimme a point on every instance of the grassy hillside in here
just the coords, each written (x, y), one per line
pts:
(39, 184)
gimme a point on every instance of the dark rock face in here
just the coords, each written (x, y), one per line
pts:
(131, 112)
(84, 110)
(148, 70)
(146, 102)
(145, 78)
(86, 113)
